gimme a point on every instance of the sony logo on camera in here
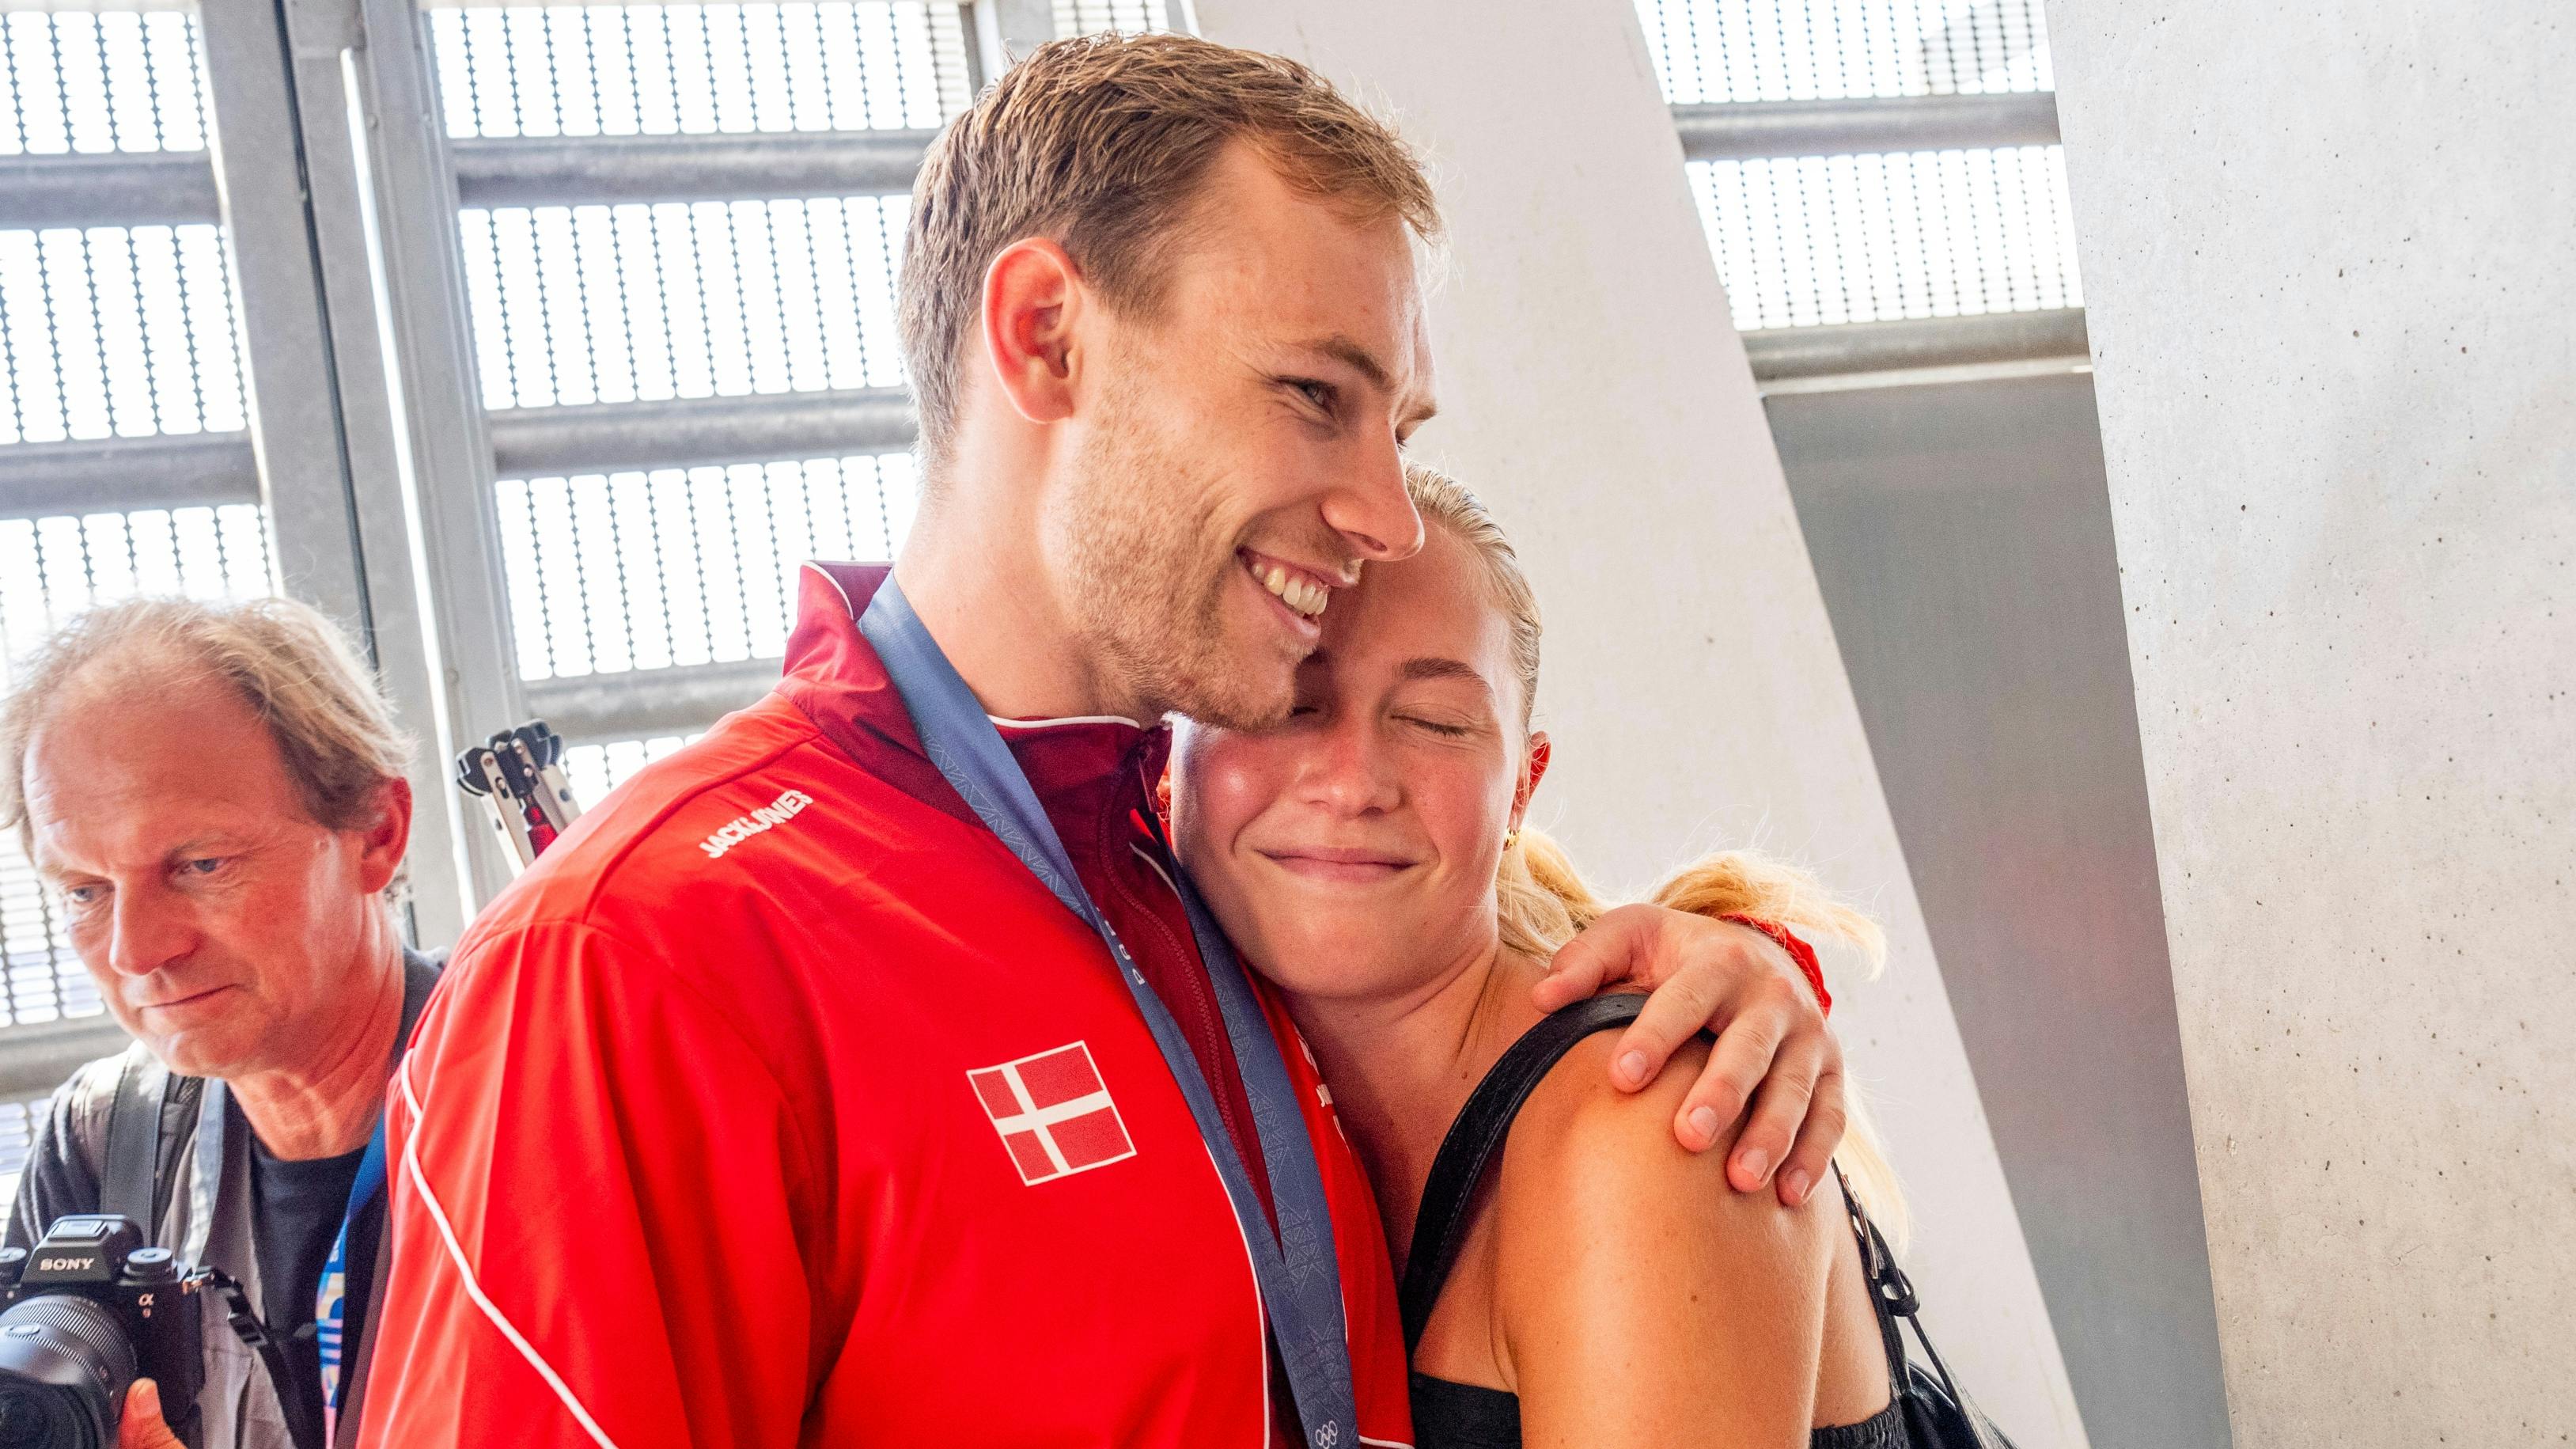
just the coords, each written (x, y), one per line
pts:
(81, 1318)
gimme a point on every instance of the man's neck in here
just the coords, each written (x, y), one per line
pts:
(1402, 1067)
(973, 571)
(328, 1103)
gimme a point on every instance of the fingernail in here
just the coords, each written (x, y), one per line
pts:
(1756, 1162)
(1704, 1122)
(1632, 1068)
(1796, 1180)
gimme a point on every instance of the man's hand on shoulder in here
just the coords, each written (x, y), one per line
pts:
(1773, 1048)
(141, 1426)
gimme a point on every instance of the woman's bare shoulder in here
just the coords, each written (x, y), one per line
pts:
(1635, 1293)
(1581, 1140)
(1589, 1166)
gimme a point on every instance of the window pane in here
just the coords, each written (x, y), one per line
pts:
(684, 566)
(594, 770)
(119, 81)
(642, 303)
(1824, 239)
(639, 304)
(627, 70)
(1818, 240)
(1127, 17)
(1797, 50)
(110, 331)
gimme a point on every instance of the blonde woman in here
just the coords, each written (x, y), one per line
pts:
(1369, 858)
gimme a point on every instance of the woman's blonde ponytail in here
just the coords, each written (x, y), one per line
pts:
(1542, 901)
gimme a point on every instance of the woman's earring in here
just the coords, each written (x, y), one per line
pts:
(1511, 838)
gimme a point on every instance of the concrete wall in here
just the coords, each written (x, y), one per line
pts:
(1594, 390)
(2330, 252)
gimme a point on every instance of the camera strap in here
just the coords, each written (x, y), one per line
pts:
(1298, 1273)
(252, 1330)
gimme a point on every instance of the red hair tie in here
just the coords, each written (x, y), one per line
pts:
(1799, 951)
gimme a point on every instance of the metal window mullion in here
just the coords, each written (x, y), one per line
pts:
(642, 703)
(1745, 130)
(164, 470)
(1005, 31)
(615, 437)
(369, 447)
(294, 414)
(388, 214)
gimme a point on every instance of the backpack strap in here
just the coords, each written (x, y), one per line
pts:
(1440, 1225)
(129, 1184)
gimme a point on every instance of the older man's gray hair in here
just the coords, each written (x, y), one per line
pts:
(295, 669)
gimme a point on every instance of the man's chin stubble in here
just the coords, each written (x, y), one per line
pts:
(1237, 708)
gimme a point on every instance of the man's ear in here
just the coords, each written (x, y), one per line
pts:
(381, 842)
(1532, 772)
(1033, 297)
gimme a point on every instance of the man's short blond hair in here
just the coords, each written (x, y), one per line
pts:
(1102, 144)
(295, 669)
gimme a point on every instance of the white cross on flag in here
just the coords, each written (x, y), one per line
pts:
(1053, 1113)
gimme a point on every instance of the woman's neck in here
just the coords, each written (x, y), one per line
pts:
(1402, 1066)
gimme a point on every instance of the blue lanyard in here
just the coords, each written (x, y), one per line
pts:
(330, 1310)
(1299, 1276)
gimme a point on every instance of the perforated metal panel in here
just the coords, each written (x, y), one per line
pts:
(105, 331)
(713, 299)
(110, 330)
(623, 70)
(1785, 50)
(665, 302)
(641, 571)
(1810, 240)
(594, 770)
(1127, 17)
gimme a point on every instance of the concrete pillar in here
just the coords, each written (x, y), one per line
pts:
(2327, 250)
(1594, 391)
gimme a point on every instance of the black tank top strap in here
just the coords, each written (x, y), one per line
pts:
(1440, 1226)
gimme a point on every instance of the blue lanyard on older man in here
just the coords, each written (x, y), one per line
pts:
(330, 1305)
(1300, 1278)
(330, 1310)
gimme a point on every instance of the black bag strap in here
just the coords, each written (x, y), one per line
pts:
(129, 1186)
(1891, 1296)
(1890, 1292)
(1440, 1226)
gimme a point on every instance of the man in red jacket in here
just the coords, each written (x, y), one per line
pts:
(864, 1073)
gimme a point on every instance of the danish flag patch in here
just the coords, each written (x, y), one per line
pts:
(1053, 1113)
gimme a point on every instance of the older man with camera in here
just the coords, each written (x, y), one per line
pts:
(215, 795)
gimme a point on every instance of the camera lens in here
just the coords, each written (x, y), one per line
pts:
(64, 1367)
(45, 1418)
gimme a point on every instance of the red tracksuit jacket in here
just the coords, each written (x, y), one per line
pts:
(779, 1104)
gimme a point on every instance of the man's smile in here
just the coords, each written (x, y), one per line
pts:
(1302, 592)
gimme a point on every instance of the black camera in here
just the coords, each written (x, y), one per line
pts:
(81, 1318)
